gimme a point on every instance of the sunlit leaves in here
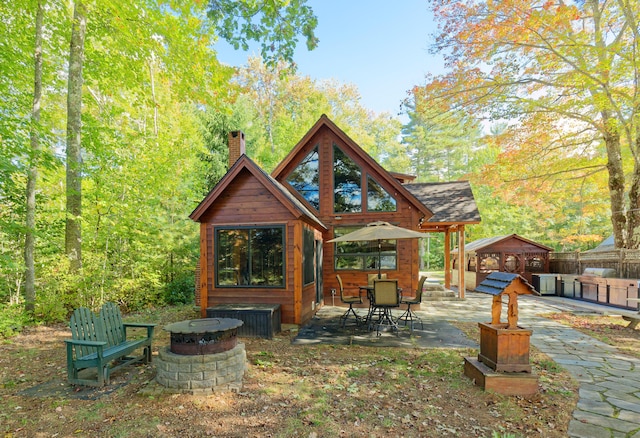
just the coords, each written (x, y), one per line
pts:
(564, 76)
(275, 24)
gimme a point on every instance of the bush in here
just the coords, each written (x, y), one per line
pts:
(180, 291)
(12, 319)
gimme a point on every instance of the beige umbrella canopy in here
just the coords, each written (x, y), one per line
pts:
(379, 231)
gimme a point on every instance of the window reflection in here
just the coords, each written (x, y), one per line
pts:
(363, 255)
(347, 183)
(305, 178)
(378, 199)
(250, 257)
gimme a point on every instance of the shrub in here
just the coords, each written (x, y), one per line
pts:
(12, 319)
(180, 290)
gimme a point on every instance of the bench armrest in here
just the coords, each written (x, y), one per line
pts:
(149, 327)
(138, 324)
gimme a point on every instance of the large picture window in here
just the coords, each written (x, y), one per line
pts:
(250, 257)
(363, 255)
(347, 183)
(305, 178)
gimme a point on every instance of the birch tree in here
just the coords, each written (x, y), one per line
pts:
(32, 175)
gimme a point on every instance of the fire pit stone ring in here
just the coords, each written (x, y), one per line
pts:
(204, 357)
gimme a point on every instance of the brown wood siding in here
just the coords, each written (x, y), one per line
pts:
(308, 302)
(246, 202)
(253, 295)
(408, 263)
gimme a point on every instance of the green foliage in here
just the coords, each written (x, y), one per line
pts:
(180, 291)
(440, 144)
(495, 434)
(274, 24)
(433, 252)
(549, 72)
(12, 319)
(277, 108)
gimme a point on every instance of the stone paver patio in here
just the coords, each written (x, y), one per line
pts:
(609, 398)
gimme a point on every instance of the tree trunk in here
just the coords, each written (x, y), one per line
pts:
(633, 215)
(73, 231)
(32, 175)
(616, 181)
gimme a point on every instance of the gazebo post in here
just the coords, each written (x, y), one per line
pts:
(462, 265)
(447, 258)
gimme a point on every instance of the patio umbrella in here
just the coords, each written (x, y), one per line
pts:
(379, 231)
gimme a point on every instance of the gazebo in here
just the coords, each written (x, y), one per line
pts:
(510, 253)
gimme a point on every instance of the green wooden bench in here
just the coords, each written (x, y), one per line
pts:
(100, 342)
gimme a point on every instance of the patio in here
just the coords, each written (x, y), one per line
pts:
(325, 328)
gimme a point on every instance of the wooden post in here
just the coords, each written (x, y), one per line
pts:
(496, 309)
(204, 261)
(462, 265)
(297, 271)
(447, 259)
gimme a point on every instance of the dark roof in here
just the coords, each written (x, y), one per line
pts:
(497, 282)
(450, 202)
(490, 241)
(607, 244)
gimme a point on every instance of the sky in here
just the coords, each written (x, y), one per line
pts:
(380, 46)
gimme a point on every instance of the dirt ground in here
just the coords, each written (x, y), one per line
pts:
(289, 391)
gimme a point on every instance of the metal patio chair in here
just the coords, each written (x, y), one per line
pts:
(410, 315)
(350, 300)
(385, 297)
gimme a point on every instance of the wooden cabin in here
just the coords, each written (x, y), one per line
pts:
(511, 253)
(264, 237)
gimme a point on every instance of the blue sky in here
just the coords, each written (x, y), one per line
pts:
(381, 46)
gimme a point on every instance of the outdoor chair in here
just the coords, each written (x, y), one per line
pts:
(350, 300)
(369, 289)
(385, 298)
(410, 315)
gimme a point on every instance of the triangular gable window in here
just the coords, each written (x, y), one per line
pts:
(347, 183)
(378, 199)
(305, 178)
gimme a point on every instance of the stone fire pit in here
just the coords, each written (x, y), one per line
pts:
(204, 357)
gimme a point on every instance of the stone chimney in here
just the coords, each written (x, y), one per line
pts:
(236, 146)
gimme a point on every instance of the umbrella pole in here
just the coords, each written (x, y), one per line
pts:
(379, 259)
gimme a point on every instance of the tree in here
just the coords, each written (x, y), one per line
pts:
(73, 233)
(274, 24)
(568, 74)
(440, 143)
(280, 106)
(32, 176)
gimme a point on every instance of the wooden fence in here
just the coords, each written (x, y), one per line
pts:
(625, 262)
